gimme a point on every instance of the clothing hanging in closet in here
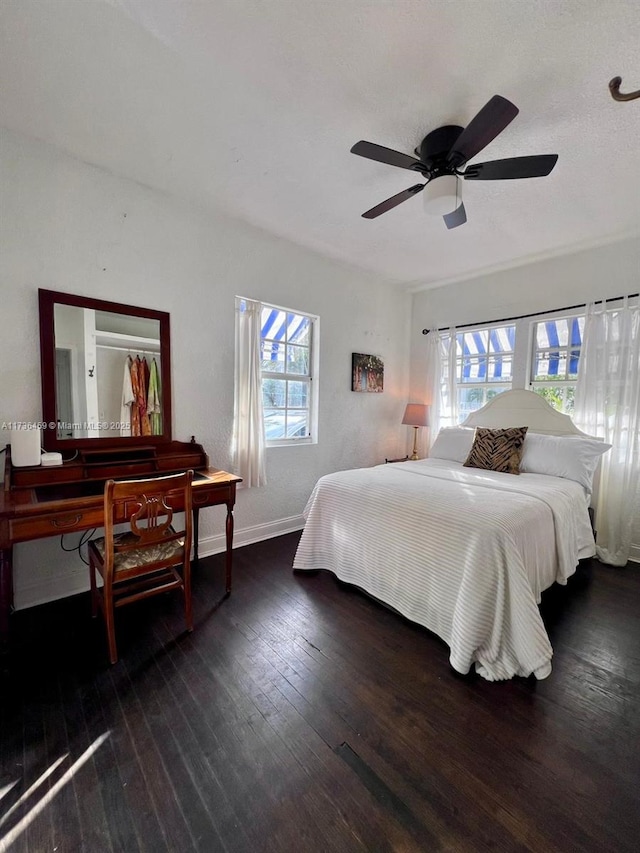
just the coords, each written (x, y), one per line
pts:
(141, 405)
(128, 398)
(154, 407)
(139, 418)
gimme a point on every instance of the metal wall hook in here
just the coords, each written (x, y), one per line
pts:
(616, 94)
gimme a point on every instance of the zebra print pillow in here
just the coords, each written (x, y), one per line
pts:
(497, 449)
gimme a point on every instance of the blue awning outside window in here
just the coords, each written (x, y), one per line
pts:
(576, 341)
(558, 343)
(483, 351)
(279, 327)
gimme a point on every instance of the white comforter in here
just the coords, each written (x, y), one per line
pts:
(464, 552)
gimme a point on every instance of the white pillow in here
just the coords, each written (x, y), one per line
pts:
(568, 456)
(452, 443)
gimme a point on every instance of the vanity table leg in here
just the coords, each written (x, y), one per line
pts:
(229, 555)
(196, 528)
(6, 596)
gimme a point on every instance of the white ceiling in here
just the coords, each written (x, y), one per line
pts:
(251, 107)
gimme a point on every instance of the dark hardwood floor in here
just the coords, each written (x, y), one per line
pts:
(302, 716)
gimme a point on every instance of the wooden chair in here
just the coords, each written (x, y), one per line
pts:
(144, 560)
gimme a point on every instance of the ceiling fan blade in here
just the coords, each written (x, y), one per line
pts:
(458, 217)
(484, 127)
(536, 166)
(386, 155)
(395, 200)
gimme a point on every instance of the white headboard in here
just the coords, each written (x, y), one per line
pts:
(522, 408)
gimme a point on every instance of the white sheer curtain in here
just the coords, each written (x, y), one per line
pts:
(607, 404)
(442, 384)
(248, 422)
(449, 385)
(434, 379)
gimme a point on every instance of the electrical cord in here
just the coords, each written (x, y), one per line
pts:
(86, 536)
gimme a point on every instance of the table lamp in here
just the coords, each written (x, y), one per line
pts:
(416, 415)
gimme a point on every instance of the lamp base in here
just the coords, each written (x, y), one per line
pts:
(414, 454)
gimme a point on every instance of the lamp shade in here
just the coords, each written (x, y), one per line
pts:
(416, 414)
(441, 195)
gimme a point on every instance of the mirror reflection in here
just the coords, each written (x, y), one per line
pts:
(108, 374)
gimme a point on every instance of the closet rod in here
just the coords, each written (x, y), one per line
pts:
(535, 314)
(130, 349)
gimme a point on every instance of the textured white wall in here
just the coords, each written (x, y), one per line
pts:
(71, 227)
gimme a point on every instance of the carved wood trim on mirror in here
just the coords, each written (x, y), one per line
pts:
(84, 341)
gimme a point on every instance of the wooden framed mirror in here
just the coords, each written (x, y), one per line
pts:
(86, 347)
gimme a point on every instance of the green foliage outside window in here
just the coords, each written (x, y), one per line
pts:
(561, 399)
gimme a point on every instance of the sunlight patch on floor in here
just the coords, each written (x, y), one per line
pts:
(10, 837)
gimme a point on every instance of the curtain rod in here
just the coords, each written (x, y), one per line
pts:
(535, 314)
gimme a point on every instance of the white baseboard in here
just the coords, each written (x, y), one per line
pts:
(50, 589)
(248, 535)
(61, 585)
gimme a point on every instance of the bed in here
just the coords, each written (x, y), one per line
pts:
(465, 552)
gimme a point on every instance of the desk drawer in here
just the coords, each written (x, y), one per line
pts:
(54, 523)
(210, 496)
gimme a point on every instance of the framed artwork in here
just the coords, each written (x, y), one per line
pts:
(367, 373)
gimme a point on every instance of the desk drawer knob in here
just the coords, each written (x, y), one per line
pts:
(69, 521)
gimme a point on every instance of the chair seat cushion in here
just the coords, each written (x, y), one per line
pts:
(155, 553)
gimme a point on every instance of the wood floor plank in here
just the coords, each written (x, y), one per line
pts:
(94, 830)
(253, 741)
(155, 750)
(65, 820)
(39, 831)
(347, 689)
(189, 689)
(261, 686)
(278, 729)
(218, 819)
(11, 765)
(99, 703)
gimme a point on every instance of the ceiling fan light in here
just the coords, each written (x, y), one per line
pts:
(441, 195)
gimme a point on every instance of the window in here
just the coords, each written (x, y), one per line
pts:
(484, 366)
(541, 354)
(555, 359)
(288, 359)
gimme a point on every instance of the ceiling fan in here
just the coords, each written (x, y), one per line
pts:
(444, 151)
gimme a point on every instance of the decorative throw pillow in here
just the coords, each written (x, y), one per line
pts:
(497, 449)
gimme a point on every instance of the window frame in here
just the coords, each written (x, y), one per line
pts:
(310, 379)
(487, 384)
(564, 385)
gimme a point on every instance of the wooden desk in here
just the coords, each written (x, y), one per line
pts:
(39, 502)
